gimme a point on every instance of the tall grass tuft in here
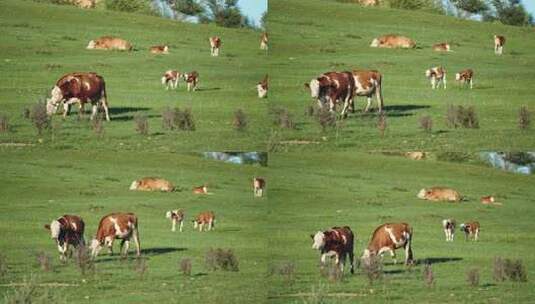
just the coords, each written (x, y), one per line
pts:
(285, 269)
(428, 275)
(325, 118)
(141, 266)
(4, 123)
(44, 261)
(3, 266)
(332, 272)
(472, 277)
(498, 270)
(524, 118)
(141, 124)
(39, 117)
(176, 119)
(373, 269)
(426, 123)
(239, 121)
(185, 266)
(221, 259)
(459, 116)
(84, 261)
(515, 271)
(282, 118)
(29, 292)
(381, 123)
(97, 124)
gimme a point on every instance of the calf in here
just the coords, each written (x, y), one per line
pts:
(369, 83)
(466, 76)
(437, 75)
(170, 79)
(499, 42)
(471, 230)
(449, 229)
(159, 49)
(389, 237)
(200, 190)
(262, 87)
(439, 194)
(441, 47)
(393, 41)
(123, 226)
(67, 231)
(333, 87)
(152, 184)
(109, 43)
(337, 242)
(264, 41)
(176, 216)
(192, 80)
(204, 218)
(259, 186)
(79, 87)
(215, 45)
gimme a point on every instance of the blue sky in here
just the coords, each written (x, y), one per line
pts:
(255, 8)
(530, 6)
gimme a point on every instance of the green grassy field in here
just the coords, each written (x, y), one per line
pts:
(310, 37)
(40, 43)
(365, 190)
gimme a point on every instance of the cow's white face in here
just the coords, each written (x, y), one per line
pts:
(95, 247)
(422, 194)
(375, 43)
(458, 76)
(318, 240)
(168, 214)
(55, 227)
(91, 45)
(261, 91)
(428, 73)
(314, 88)
(134, 185)
(53, 102)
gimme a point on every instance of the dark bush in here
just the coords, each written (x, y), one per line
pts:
(428, 275)
(381, 123)
(426, 123)
(141, 124)
(176, 119)
(472, 277)
(373, 268)
(39, 118)
(459, 116)
(239, 121)
(221, 259)
(524, 118)
(26, 113)
(44, 261)
(4, 123)
(326, 118)
(515, 270)
(131, 6)
(282, 118)
(185, 266)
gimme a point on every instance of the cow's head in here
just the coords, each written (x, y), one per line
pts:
(463, 227)
(428, 73)
(318, 240)
(422, 194)
(262, 92)
(195, 224)
(95, 247)
(54, 229)
(91, 45)
(458, 76)
(168, 214)
(134, 185)
(375, 43)
(53, 102)
(166, 49)
(314, 87)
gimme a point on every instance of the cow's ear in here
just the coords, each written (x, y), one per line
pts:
(312, 236)
(47, 227)
(307, 85)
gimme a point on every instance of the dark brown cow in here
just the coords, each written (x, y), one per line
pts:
(264, 41)
(466, 76)
(113, 226)
(170, 79)
(499, 42)
(79, 88)
(215, 45)
(67, 231)
(259, 186)
(471, 230)
(192, 80)
(333, 87)
(159, 49)
(262, 87)
(337, 242)
(389, 237)
(176, 216)
(204, 218)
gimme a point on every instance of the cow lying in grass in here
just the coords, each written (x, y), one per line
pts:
(67, 231)
(337, 242)
(152, 184)
(176, 216)
(159, 49)
(109, 43)
(389, 237)
(200, 189)
(439, 194)
(393, 41)
(123, 226)
(442, 47)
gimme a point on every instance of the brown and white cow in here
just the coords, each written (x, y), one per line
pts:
(176, 216)
(262, 87)
(152, 184)
(259, 186)
(204, 218)
(200, 190)
(170, 79)
(393, 41)
(333, 87)
(264, 41)
(159, 49)
(337, 242)
(471, 230)
(80, 88)
(109, 43)
(123, 226)
(466, 76)
(436, 75)
(215, 45)
(442, 47)
(369, 83)
(499, 42)
(192, 80)
(389, 237)
(449, 229)
(439, 194)
(67, 231)
(416, 155)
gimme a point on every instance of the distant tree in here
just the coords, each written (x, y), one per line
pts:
(510, 12)
(188, 7)
(263, 20)
(224, 13)
(474, 7)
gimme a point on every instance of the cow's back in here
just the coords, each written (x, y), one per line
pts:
(381, 237)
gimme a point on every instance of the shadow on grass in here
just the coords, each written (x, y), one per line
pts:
(147, 252)
(122, 110)
(437, 260)
(208, 89)
(129, 117)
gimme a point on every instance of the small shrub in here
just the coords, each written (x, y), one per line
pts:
(176, 119)
(373, 268)
(83, 260)
(498, 270)
(97, 124)
(426, 123)
(4, 123)
(515, 271)
(39, 118)
(472, 277)
(3, 266)
(138, 6)
(326, 118)
(30, 292)
(168, 118)
(284, 269)
(185, 266)
(428, 275)
(26, 113)
(459, 116)
(44, 261)
(524, 118)
(381, 123)
(451, 117)
(240, 120)
(458, 157)
(221, 259)
(318, 295)
(309, 111)
(282, 118)
(141, 266)
(332, 272)
(141, 124)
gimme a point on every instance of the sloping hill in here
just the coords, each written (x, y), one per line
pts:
(312, 37)
(42, 42)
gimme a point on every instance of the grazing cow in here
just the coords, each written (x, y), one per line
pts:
(215, 45)
(67, 231)
(204, 218)
(389, 237)
(259, 186)
(170, 79)
(499, 42)
(79, 88)
(337, 242)
(333, 87)
(200, 190)
(109, 43)
(437, 75)
(466, 76)
(264, 41)
(159, 49)
(262, 87)
(123, 226)
(192, 80)
(152, 184)
(393, 41)
(441, 47)
(176, 216)
(416, 155)
(471, 230)
(439, 194)
(449, 229)
(369, 83)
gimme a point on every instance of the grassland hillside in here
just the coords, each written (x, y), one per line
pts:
(41, 42)
(312, 37)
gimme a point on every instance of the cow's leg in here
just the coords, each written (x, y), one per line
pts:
(344, 109)
(201, 227)
(351, 261)
(173, 225)
(94, 110)
(393, 255)
(104, 104)
(135, 235)
(477, 235)
(444, 81)
(433, 82)
(126, 246)
(181, 225)
(471, 83)
(369, 102)
(62, 251)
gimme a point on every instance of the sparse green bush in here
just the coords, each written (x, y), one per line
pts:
(472, 277)
(326, 118)
(39, 117)
(131, 6)
(282, 118)
(428, 275)
(185, 266)
(29, 292)
(515, 270)
(426, 123)
(141, 124)
(524, 118)
(221, 259)
(4, 123)
(240, 120)
(373, 268)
